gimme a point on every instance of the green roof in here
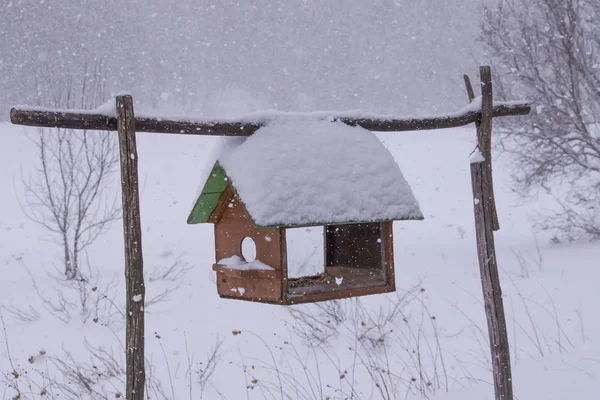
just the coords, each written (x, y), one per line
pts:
(206, 203)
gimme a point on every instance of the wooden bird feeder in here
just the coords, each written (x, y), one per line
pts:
(296, 175)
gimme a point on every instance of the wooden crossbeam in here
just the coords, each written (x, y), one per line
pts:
(95, 121)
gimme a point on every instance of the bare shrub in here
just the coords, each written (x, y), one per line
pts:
(173, 271)
(27, 315)
(544, 341)
(318, 330)
(205, 369)
(98, 373)
(549, 51)
(388, 352)
(67, 195)
(167, 274)
(198, 374)
(97, 378)
(87, 299)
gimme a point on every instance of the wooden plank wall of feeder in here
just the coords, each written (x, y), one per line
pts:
(284, 265)
(363, 275)
(232, 225)
(255, 285)
(388, 240)
(342, 241)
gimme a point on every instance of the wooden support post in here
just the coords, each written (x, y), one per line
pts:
(484, 227)
(487, 150)
(134, 266)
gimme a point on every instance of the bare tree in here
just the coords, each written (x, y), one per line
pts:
(67, 193)
(550, 50)
(396, 345)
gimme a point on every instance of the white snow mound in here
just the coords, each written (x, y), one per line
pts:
(305, 172)
(236, 262)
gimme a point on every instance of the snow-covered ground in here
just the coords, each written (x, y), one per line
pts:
(438, 341)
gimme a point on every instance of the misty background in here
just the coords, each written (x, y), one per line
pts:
(230, 57)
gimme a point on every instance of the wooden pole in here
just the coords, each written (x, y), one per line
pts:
(484, 227)
(134, 265)
(486, 152)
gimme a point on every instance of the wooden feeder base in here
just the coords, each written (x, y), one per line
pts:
(267, 287)
(342, 282)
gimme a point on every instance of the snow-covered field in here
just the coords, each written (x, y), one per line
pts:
(435, 347)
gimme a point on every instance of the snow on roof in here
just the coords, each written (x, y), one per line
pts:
(315, 172)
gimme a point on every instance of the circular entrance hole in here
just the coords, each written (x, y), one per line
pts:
(248, 249)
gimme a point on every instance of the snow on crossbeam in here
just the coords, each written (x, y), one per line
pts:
(103, 120)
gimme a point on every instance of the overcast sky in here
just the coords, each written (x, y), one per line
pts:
(231, 57)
